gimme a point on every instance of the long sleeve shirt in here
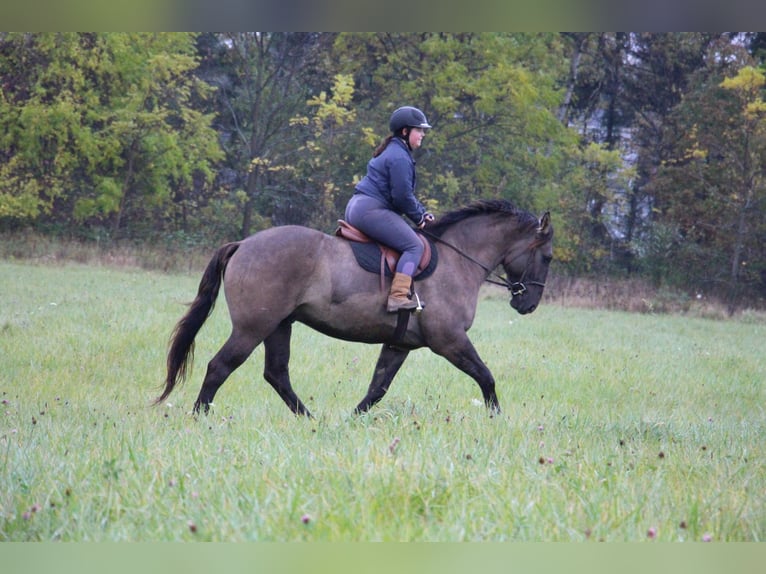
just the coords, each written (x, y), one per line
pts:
(391, 180)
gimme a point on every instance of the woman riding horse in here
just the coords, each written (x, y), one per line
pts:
(386, 192)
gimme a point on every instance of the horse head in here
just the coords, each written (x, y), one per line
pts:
(526, 265)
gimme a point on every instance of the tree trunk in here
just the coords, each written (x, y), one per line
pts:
(574, 68)
(252, 193)
(739, 246)
(125, 189)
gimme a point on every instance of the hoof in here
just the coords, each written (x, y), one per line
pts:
(205, 408)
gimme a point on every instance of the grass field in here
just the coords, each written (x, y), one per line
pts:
(616, 427)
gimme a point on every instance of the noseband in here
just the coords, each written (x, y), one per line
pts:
(519, 287)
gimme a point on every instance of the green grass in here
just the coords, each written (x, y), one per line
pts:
(613, 425)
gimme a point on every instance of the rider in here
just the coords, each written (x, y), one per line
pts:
(387, 192)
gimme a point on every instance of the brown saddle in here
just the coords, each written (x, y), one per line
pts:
(388, 255)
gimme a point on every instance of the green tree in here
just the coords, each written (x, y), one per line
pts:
(493, 99)
(332, 153)
(101, 127)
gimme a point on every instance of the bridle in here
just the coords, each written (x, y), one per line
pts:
(516, 288)
(519, 287)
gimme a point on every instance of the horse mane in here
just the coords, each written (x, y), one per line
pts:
(481, 207)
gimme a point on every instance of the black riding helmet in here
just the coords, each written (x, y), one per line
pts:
(407, 117)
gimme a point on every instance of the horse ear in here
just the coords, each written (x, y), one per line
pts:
(545, 223)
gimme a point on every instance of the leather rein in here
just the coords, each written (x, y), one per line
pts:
(516, 287)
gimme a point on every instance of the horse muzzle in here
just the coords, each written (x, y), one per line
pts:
(523, 308)
(520, 297)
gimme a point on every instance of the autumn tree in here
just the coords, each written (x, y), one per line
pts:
(713, 188)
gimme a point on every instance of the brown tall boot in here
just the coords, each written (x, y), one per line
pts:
(398, 298)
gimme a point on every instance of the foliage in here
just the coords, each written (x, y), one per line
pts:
(490, 98)
(713, 187)
(630, 139)
(624, 86)
(331, 154)
(264, 80)
(601, 181)
(99, 125)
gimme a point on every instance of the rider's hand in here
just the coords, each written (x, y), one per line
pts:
(427, 218)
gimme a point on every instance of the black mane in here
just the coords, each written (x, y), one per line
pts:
(480, 207)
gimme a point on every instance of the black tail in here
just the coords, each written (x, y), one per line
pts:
(181, 345)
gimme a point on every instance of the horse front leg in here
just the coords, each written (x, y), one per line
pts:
(276, 370)
(463, 355)
(389, 362)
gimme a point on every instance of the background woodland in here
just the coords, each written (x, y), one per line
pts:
(648, 149)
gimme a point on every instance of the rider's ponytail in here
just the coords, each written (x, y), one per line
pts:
(383, 145)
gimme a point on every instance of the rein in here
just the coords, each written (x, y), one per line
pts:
(516, 288)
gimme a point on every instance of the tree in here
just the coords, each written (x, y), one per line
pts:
(623, 88)
(100, 126)
(331, 154)
(264, 80)
(713, 187)
(492, 99)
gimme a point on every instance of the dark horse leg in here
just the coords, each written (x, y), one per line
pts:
(463, 355)
(276, 370)
(389, 362)
(236, 351)
(233, 353)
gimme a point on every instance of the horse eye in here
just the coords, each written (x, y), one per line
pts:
(547, 258)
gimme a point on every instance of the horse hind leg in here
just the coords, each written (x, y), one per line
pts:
(234, 352)
(276, 370)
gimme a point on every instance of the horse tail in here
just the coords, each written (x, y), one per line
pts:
(181, 344)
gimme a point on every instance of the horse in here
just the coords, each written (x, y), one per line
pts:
(294, 273)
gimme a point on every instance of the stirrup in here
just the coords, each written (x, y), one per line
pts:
(421, 304)
(394, 304)
(416, 305)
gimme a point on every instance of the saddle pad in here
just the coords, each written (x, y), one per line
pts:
(368, 257)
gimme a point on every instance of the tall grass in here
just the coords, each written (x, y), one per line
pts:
(174, 254)
(616, 427)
